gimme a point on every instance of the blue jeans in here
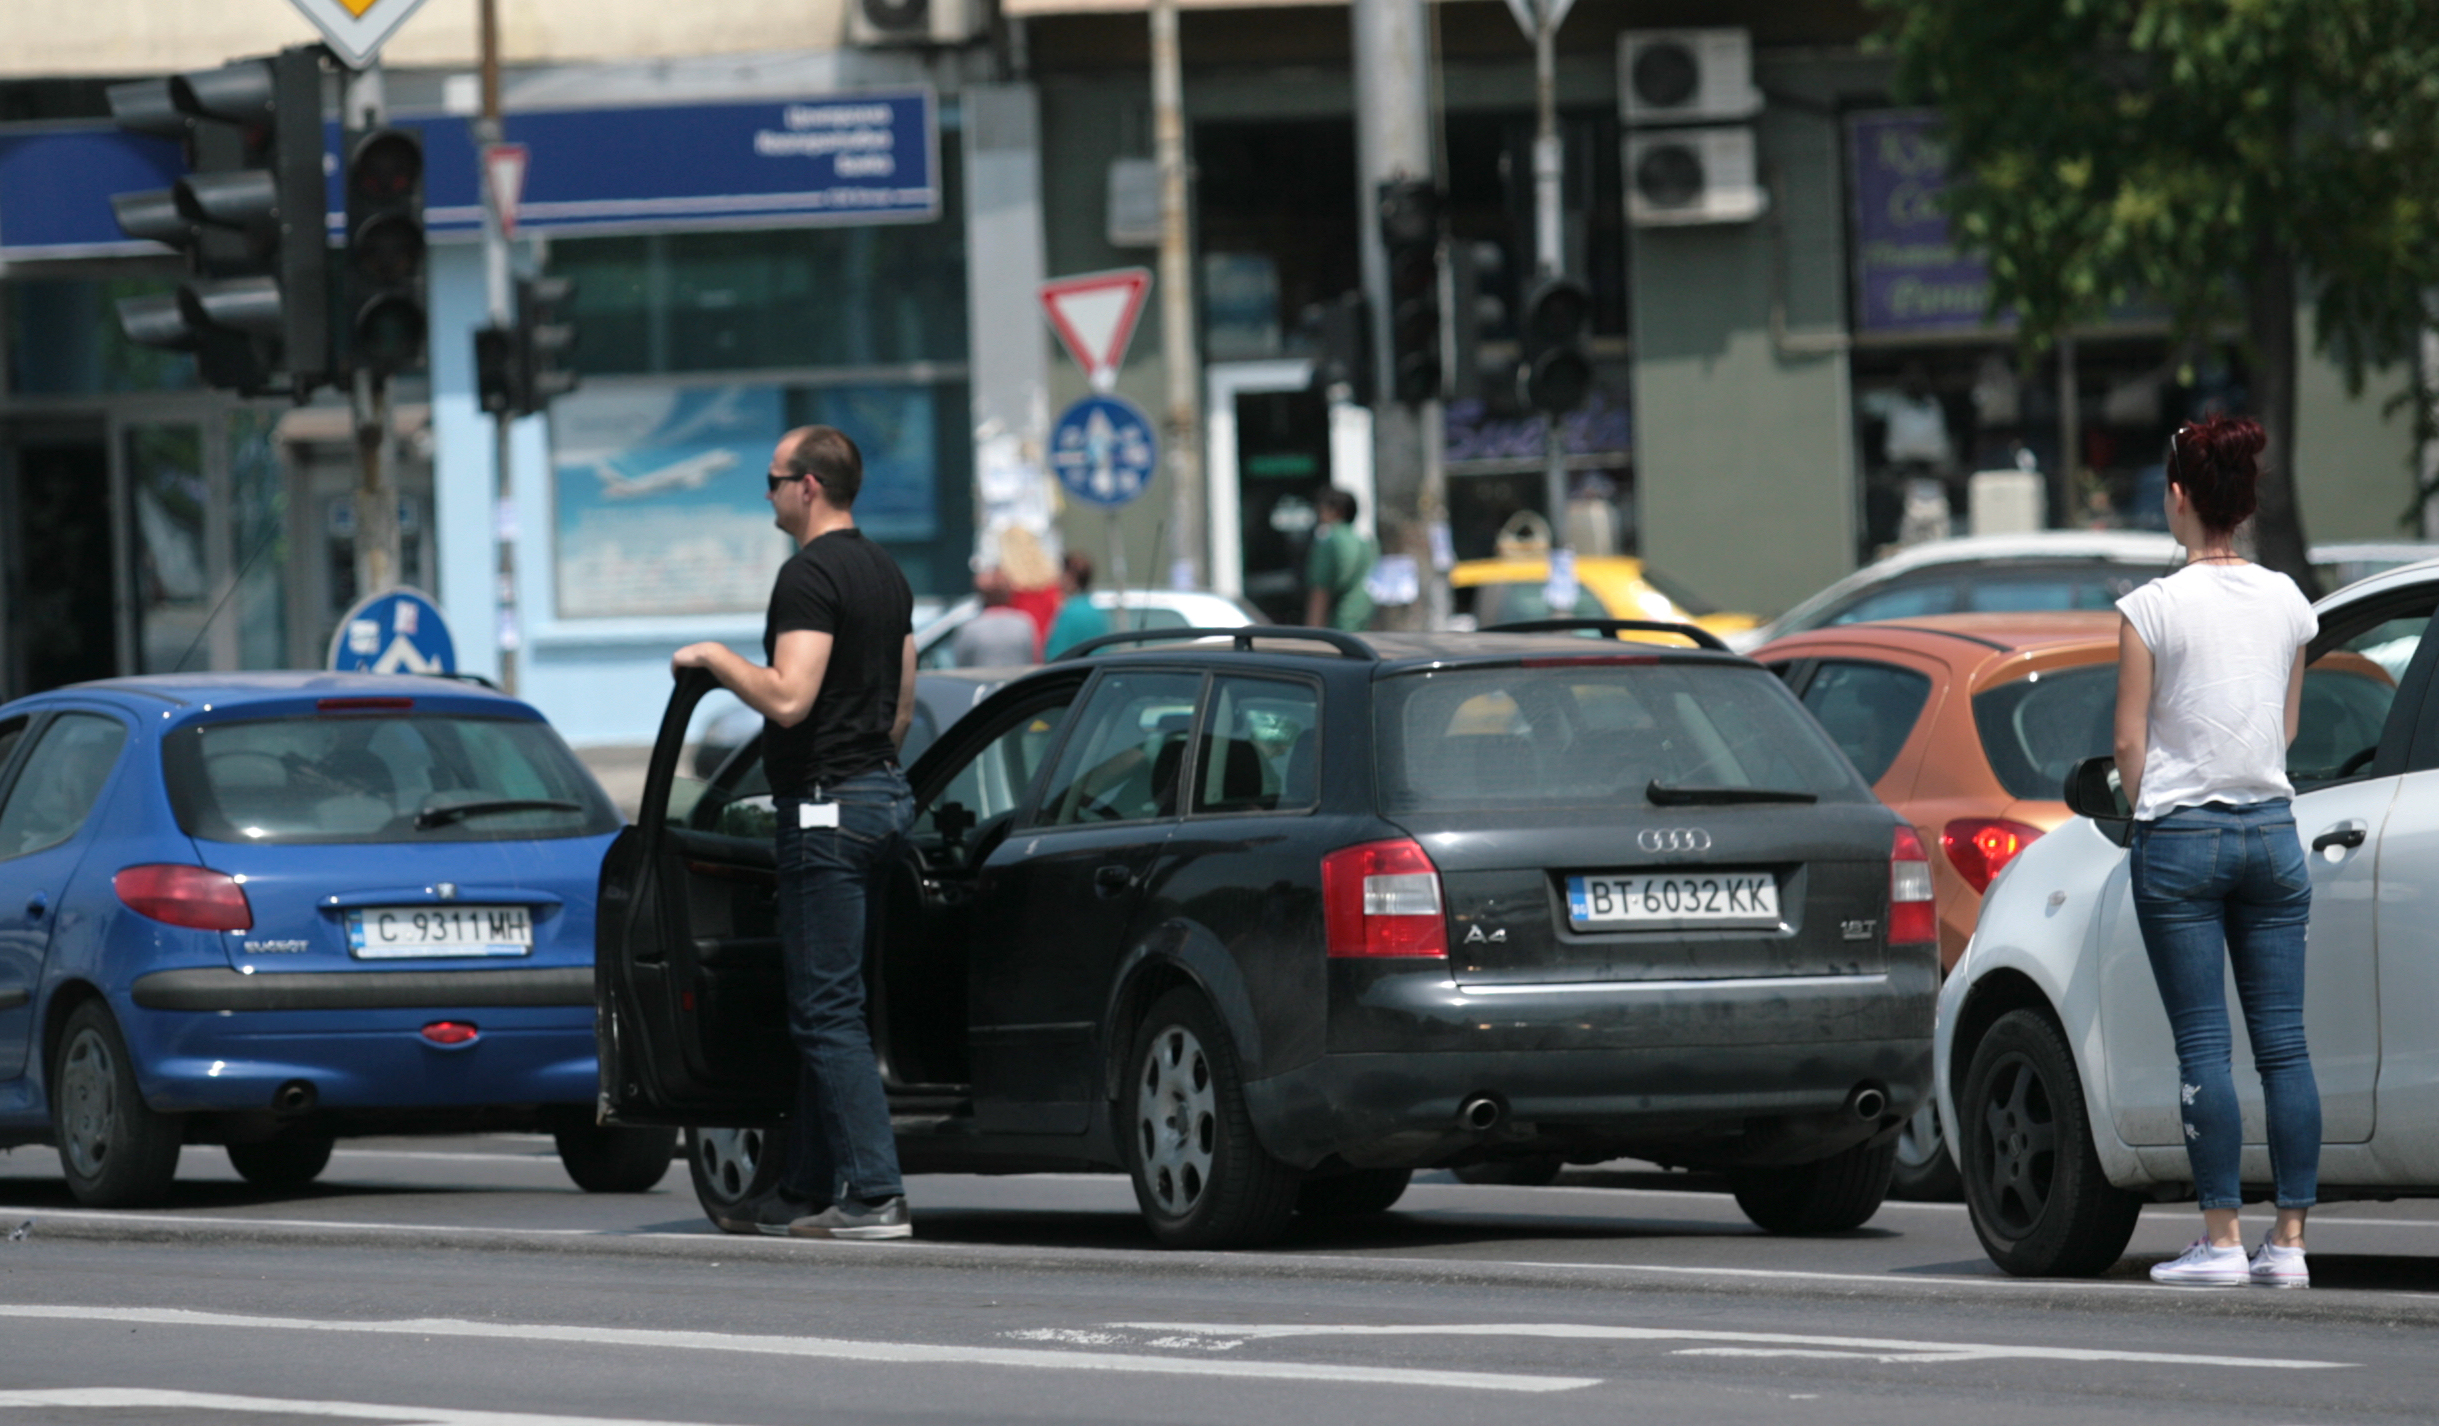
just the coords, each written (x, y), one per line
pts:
(2215, 885)
(841, 1133)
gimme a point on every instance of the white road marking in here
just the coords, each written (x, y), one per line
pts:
(2165, 1210)
(1842, 1346)
(118, 1216)
(125, 1398)
(823, 1348)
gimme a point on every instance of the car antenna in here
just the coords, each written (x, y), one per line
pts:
(234, 585)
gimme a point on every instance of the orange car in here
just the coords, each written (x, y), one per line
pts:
(1966, 724)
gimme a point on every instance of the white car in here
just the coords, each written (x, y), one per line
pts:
(1145, 609)
(2054, 1059)
(1983, 574)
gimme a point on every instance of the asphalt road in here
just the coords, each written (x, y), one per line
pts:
(467, 1281)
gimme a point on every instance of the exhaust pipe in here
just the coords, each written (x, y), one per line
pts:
(294, 1097)
(1479, 1113)
(1868, 1102)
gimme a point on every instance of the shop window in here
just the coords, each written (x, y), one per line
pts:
(64, 339)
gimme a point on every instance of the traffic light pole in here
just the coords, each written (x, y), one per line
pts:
(499, 284)
(1393, 142)
(377, 555)
(1549, 234)
(1188, 502)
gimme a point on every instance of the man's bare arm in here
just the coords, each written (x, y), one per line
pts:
(906, 695)
(783, 692)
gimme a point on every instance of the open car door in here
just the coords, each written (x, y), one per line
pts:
(691, 1009)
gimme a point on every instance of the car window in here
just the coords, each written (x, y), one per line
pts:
(1122, 762)
(1904, 601)
(994, 780)
(1529, 599)
(2036, 728)
(2346, 696)
(1260, 747)
(1593, 735)
(737, 802)
(356, 777)
(12, 733)
(2040, 595)
(63, 775)
(1868, 710)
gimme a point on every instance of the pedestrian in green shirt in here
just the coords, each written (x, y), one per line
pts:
(1341, 561)
(1078, 618)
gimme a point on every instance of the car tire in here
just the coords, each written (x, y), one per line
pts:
(1538, 1171)
(115, 1150)
(1353, 1195)
(1925, 1171)
(2033, 1182)
(732, 1166)
(1201, 1177)
(616, 1158)
(1830, 1195)
(281, 1163)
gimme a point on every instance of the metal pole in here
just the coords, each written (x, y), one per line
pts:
(1393, 141)
(1184, 424)
(1549, 239)
(499, 288)
(376, 489)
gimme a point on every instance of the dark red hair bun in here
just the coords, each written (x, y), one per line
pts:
(2218, 464)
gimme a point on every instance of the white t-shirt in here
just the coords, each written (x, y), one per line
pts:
(2223, 639)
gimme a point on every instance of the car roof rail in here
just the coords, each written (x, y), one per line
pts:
(1701, 637)
(1242, 637)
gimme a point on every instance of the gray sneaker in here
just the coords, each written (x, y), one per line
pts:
(851, 1219)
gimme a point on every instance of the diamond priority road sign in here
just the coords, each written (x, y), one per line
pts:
(357, 29)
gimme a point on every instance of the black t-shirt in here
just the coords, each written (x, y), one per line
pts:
(847, 587)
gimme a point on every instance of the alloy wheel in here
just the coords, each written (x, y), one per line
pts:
(88, 1099)
(728, 1158)
(2020, 1126)
(1176, 1120)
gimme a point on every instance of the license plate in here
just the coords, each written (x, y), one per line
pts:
(1671, 897)
(390, 933)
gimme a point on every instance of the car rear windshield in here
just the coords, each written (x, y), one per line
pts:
(1594, 734)
(2035, 729)
(380, 778)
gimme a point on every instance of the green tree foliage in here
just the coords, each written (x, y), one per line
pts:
(2215, 157)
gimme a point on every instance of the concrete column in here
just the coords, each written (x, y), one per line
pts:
(1393, 140)
(1005, 264)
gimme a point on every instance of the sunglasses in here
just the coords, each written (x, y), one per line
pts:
(780, 480)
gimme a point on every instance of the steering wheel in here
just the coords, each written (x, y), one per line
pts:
(2354, 764)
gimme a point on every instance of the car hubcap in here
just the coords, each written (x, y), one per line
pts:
(1918, 1142)
(2020, 1131)
(88, 1100)
(1176, 1121)
(728, 1158)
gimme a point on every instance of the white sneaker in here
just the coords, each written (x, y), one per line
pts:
(2275, 1266)
(2202, 1265)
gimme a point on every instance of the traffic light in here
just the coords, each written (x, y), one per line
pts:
(1341, 331)
(1553, 374)
(519, 368)
(1410, 232)
(1476, 317)
(248, 217)
(385, 251)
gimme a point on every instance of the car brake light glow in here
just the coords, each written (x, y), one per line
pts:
(1383, 899)
(449, 1032)
(184, 895)
(1979, 847)
(1913, 918)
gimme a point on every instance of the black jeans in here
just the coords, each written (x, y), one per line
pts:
(841, 1137)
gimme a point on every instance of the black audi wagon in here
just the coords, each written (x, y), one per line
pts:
(1268, 919)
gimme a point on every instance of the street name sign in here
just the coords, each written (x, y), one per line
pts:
(400, 631)
(357, 29)
(1104, 451)
(1094, 315)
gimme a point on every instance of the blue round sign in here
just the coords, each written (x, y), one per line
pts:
(397, 632)
(1103, 450)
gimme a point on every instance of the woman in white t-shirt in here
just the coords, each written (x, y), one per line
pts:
(2210, 680)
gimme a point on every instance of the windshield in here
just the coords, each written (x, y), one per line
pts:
(1595, 733)
(357, 778)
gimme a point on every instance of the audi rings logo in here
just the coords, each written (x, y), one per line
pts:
(1673, 839)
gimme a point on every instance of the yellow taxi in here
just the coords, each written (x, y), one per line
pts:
(1511, 587)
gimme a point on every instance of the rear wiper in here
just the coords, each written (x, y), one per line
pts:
(431, 817)
(1664, 794)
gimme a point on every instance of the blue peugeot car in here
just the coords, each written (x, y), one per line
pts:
(268, 910)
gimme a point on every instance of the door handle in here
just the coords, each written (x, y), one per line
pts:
(37, 904)
(1110, 880)
(2342, 837)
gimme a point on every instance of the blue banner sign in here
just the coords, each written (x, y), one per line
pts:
(834, 159)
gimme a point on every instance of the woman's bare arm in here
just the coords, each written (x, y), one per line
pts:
(2133, 724)
(2295, 696)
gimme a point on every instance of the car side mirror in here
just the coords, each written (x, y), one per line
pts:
(952, 820)
(2092, 790)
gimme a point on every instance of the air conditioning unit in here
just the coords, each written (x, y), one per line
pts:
(1681, 177)
(914, 22)
(1686, 76)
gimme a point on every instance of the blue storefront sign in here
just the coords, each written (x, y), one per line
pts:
(397, 632)
(1103, 450)
(832, 159)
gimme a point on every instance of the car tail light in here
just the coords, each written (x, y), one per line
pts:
(1912, 917)
(1383, 899)
(450, 1032)
(1980, 846)
(183, 895)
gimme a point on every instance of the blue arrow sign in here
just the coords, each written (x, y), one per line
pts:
(1103, 450)
(398, 632)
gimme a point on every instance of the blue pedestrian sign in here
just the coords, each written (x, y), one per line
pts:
(1103, 450)
(398, 632)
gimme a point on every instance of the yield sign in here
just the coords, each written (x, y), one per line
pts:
(1095, 316)
(357, 29)
(504, 175)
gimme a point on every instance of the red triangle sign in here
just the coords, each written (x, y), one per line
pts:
(1094, 314)
(504, 172)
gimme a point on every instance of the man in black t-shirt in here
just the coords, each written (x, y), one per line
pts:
(836, 693)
